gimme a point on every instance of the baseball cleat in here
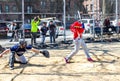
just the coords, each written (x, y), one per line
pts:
(66, 60)
(90, 59)
(11, 68)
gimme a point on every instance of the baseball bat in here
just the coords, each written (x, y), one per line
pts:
(79, 16)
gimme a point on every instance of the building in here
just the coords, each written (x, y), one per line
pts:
(93, 7)
(102, 8)
(11, 9)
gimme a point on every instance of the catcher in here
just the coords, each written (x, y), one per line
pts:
(78, 28)
(17, 53)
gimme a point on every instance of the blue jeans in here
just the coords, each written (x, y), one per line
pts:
(43, 39)
(52, 38)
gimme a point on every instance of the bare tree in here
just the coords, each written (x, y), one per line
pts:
(108, 7)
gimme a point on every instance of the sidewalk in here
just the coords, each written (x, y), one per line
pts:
(6, 43)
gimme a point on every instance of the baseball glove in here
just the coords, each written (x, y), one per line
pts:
(45, 53)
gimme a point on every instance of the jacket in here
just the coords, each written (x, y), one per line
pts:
(44, 30)
(34, 25)
(77, 28)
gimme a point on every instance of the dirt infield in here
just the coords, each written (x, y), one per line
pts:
(105, 68)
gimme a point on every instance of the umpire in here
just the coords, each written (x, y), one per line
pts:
(17, 53)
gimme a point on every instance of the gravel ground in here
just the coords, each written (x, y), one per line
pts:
(105, 68)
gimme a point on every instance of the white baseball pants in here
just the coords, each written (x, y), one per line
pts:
(79, 42)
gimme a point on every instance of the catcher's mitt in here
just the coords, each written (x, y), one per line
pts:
(45, 53)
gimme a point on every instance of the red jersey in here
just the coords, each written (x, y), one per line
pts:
(77, 28)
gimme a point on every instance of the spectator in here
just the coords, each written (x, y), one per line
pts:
(52, 32)
(106, 22)
(44, 30)
(34, 29)
(97, 23)
(14, 30)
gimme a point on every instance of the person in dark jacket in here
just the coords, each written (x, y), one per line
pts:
(52, 32)
(44, 30)
(106, 25)
(106, 22)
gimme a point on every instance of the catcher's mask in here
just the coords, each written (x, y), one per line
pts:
(23, 43)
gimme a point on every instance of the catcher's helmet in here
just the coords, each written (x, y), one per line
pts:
(22, 42)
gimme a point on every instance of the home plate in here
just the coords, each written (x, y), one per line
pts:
(82, 67)
(86, 65)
